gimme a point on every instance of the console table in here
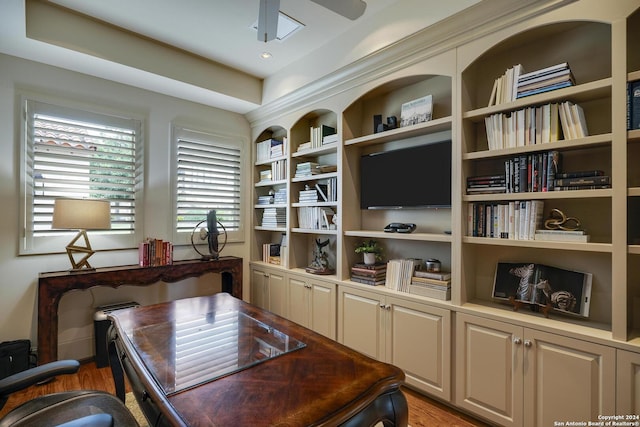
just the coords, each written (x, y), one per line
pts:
(53, 285)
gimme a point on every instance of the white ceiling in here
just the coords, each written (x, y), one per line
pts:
(220, 30)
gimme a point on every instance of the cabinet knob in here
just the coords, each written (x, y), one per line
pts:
(388, 307)
(517, 340)
(381, 305)
(528, 343)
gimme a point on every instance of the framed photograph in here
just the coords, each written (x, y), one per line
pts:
(564, 291)
(416, 111)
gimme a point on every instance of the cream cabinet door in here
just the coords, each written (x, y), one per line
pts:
(628, 384)
(277, 294)
(361, 324)
(299, 301)
(419, 342)
(259, 290)
(489, 375)
(322, 311)
(566, 379)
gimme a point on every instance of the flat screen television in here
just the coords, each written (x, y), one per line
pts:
(414, 177)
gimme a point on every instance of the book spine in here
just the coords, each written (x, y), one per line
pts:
(635, 104)
(594, 180)
(580, 174)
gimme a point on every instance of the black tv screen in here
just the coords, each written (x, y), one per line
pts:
(407, 178)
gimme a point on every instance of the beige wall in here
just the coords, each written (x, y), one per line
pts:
(19, 274)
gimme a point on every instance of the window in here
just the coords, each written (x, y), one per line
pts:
(78, 154)
(208, 173)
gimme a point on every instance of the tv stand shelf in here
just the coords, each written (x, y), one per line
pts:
(375, 234)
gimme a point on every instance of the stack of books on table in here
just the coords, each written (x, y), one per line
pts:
(369, 274)
(306, 169)
(399, 273)
(581, 180)
(432, 285)
(274, 217)
(544, 80)
(562, 235)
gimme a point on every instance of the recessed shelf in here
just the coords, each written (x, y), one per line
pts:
(313, 231)
(567, 246)
(260, 228)
(270, 183)
(317, 177)
(539, 195)
(427, 237)
(313, 152)
(432, 126)
(271, 205)
(302, 205)
(271, 160)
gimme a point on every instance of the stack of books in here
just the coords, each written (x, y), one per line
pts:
(581, 180)
(280, 196)
(544, 80)
(574, 124)
(305, 169)
(400, 272)
(265, 176)
(486, 184)
(369, 274)
(308, 196)
(562, 235)
(154, 252)
(432, 285)
(274, 217)
(265, 200)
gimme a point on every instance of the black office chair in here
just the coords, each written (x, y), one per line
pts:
(80, 408)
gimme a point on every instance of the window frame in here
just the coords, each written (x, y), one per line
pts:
(101, 240)
(208, 137)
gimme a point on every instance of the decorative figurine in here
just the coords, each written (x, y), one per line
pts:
(320, 263)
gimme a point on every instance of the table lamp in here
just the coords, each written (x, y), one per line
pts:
(81, 215)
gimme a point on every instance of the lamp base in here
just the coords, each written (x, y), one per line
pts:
(84, 253)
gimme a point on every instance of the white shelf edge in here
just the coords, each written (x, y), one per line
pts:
(538, 195)
(427, 237)
(594, 88)
(633, 135)
(329, 148)
(271, 205)
(564, 144)
(633, 191)
(270, 183)
(269, 161)
(317, 177)
(432, 126)
(313, 231)
(541, 244)
(307, 205)
(261, 228)
(634, 249)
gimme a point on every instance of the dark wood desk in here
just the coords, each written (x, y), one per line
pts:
(321, 384)
(52, 286)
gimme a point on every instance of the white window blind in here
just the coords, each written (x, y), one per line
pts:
(208, 175)
(78, 154)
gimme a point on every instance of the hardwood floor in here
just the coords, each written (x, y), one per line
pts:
(423, 411)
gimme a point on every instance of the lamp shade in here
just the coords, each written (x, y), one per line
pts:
(81, 214)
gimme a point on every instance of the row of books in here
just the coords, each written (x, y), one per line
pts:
(154, 252)
(633, 105)
(271, 253)
(320, 192)
(535, 125)
(319, 136)
(515, 83)
(517, 220)
(270, 149)
(316, 218)
(369, 274)
(278, 197)
(524, 173)
(274, 217)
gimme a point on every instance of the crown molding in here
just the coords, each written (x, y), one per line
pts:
(476, 21)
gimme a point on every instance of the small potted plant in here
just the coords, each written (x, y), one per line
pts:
(371, 251)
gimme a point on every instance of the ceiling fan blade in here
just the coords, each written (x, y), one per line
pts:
(268, 20)
(352, 9)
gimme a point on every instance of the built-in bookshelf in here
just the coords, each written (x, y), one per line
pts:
(270, 190)
(592, 92)
(429, 240)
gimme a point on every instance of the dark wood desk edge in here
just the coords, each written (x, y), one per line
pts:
(385, 387)
(53, 285)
